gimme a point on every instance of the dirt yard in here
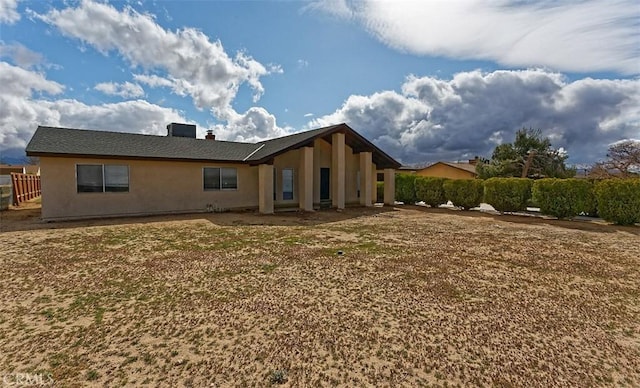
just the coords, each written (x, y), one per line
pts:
(376, 297)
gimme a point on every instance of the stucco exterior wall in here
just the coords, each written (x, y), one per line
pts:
(155, 187)
(321, 158)
(352, 166)
(444, 171)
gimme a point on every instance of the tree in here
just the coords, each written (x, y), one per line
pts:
(531, 153)
(623, 160)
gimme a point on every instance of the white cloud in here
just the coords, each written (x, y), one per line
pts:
(22, 109)
(308, 114)
(185, 61)
(195, 66)
(8, 11)
(19, 118)
(125, 89)
(155, 81)
(20, 55)
(131, 116)
(337, 8)
(434, 119)
(251, 126)
(566, 35)
(23, 83)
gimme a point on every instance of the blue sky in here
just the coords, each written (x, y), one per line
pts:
(426, 81)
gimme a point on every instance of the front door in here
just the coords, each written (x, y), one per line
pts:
(325, 178)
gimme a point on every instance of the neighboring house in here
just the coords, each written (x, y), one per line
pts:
(407, 170)
(5, 173)
(451, 170)
(399, 170)
(7, 169)
(89, 173)
(32, 169)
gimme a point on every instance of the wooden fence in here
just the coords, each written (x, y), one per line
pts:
(25, 187)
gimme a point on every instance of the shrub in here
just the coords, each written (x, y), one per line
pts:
(5, 197)
(405, 188)
(465, 193)
(591, 209)
(585, 197)
(564, 198)
(92, 375)
(277, 377)
(430, 190)
(619, 200)
(380, 192)
(507, 194)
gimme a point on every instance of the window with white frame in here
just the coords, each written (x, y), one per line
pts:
(287, 184)
(220, 178)
(102, 178)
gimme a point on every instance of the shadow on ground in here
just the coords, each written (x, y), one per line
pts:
(28, 218)
(582, 223)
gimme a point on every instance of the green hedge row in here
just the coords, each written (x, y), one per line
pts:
(464, 193)
(564, 198)
(430, 190)
(507, 194)
(406, 188)
(379, 192)
(619, 200)
(615, 200)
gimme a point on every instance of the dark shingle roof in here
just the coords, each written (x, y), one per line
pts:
(358, 143)
(278, 145)
(65, 141)
(80, 142)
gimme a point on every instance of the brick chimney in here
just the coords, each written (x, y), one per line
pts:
(210, 135)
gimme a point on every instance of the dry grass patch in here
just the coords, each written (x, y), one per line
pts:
(417, 298)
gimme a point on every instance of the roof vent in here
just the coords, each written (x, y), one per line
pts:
(210, 135)
(181, 130)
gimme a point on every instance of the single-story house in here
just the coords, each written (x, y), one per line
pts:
(451, 170)
(87, 173)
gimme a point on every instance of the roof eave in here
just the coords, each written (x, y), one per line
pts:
(452, 166)
(330, 131)
(126, 157)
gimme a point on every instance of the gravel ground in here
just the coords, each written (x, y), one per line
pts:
(387, 297)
